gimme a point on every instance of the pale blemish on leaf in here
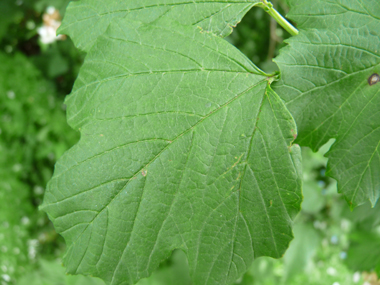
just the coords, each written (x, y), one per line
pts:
(294, 134)
(238, 160)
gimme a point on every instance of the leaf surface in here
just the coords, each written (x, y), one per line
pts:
(183, 145)
(86, 20)
(325, 84)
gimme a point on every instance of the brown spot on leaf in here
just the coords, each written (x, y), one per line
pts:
(373, 79)
(144, 172)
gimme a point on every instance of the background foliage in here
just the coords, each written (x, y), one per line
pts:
(332, 244)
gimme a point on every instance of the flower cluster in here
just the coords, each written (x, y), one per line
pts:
(51, 22)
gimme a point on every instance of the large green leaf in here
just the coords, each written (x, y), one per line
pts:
(86, 20)
(325, 83)
(183, 145)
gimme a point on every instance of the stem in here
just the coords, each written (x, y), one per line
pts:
(273, 39)
(268, 7)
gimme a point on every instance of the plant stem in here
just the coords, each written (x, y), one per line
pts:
(268, 7)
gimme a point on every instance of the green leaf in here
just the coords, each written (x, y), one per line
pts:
(9, 13)
(183, 145)
(364, 253)
(31, 126)
(14, 235)
(86, 20)
(300, 251)
(32, 120)
(53, 273)
(173, 271)
(325, 73)
(365, 217)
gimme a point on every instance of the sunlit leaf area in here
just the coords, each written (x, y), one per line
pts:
(334, 244)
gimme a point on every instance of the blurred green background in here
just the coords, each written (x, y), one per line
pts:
(332, 245)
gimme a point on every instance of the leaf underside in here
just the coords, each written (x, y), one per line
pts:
(86, 20)
(183, 145)
(325, 72)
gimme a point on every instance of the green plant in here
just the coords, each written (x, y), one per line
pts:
(184, 144)
(31, 123)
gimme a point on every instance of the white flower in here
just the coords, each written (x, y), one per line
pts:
(356, 277)
(47, 34)
(6, 277)
(52, 21)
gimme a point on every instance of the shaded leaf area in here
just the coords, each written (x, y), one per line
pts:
(13, 233)
(31, 119)
(259, 36)
(9, 13)
(364, 252)
(183, 145)
(301, 251)
(86, 20)
(53, 273)
(325, 83)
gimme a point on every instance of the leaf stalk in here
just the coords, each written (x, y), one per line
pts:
(268, 7)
